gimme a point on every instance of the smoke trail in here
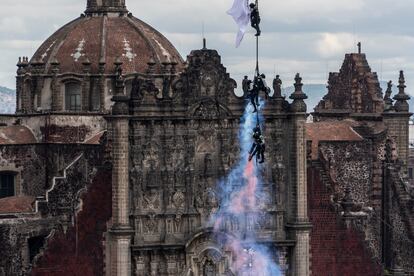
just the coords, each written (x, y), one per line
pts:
(250, 257)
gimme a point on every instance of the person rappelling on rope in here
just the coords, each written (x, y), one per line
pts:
(253, 88)
(255, 18)
(258, 147)
(244, 13)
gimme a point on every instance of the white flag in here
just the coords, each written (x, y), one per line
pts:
(241, 14)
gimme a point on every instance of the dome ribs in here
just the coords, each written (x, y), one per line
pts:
(101, 39)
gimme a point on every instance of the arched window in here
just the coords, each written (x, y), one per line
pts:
(209, 269)
(73, 98)
(7, 185)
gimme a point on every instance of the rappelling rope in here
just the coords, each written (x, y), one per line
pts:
(257, 63)
(257, 46)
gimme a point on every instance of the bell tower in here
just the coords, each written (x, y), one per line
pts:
(105, 6)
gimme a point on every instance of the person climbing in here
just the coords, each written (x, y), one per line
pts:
(261, 83)
(258, 147)
(255, 18)
(254, 93)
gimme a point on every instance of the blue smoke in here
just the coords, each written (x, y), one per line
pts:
(238, 200)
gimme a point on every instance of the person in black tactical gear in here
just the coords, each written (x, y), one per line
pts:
(254, 94)
(261, 83)
(255, 18)
(258, 147)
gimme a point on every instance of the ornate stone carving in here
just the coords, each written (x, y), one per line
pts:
(151, 224)
(207, 202)
(178, 200)
(152, 201)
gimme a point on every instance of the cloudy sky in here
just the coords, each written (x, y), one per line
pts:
(310, 37)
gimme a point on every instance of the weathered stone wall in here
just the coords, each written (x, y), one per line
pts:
(349, 165)
(14, 236)
(31, 164)
(63, 128)
(80, 251)
(59, 203)
(37, 164)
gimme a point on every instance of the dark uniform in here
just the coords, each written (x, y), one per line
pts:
(261, 83)
(258, 146)
(255, 18)
(254, 94)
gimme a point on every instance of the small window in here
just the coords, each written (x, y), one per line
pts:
(73, 97)
(7, 184)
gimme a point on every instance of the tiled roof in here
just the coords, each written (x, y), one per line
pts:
(330, 131)
(10, 135)
(94, 140)
(17, 204)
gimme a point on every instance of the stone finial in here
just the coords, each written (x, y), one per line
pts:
(387, 98)
(118, 62)
(151, 66)
(401, 98)
(102, 63)
(19, 66)
(298, 97)
(54, 62)
(86, 65)
(86, 62)
(166, 65)
(25, 62)
(174, 64)
(359, 47)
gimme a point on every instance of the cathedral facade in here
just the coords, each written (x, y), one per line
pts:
(112, 163)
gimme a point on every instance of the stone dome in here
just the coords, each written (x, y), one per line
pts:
(107, 32)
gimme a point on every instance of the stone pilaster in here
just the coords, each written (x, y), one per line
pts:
(299, 224)
(36, 98)
(19, 84)
(57, 97)
(397, 120)
(102, 84)
(121, 231)
(86, 85)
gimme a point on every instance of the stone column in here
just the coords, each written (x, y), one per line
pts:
(121, 231)
(299, 222)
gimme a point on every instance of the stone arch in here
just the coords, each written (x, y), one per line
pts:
(208, 108)
(72, 93)
(206, 255)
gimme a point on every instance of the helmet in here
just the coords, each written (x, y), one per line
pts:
(263, 76)
(252, 5)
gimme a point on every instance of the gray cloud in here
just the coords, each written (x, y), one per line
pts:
(304, 36)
